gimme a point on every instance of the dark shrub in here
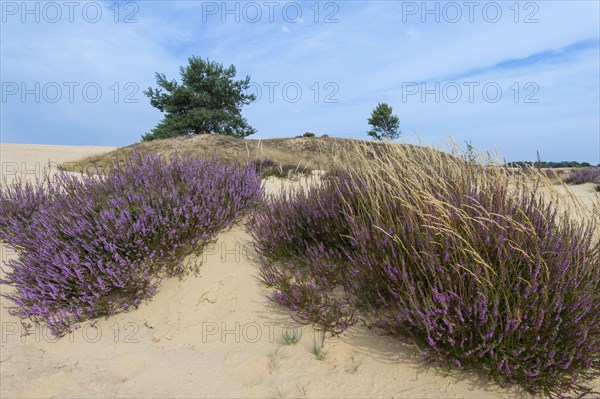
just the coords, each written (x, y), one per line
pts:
(268, 168)
(308, 134)
(550, 174)
(95, 245)
(262, 164)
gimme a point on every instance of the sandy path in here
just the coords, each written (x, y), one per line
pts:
(214, 335)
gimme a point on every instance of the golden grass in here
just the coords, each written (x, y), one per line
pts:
(331, 153)
(316, 153)
(406, 164)
(313, 152)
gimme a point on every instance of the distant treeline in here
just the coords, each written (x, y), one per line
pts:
(544, 164)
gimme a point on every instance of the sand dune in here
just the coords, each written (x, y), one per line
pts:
(43, 153)
(211, 335)
(28, 161)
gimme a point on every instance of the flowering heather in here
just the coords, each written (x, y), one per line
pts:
(471, 263)
(584, 175)
(94, 245)
(300, 229)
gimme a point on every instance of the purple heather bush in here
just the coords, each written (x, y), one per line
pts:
(584, 175)
(93, 245)
(309, 244)
(471, 264)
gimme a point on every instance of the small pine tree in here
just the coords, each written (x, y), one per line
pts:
(208, 100)
(385, 125)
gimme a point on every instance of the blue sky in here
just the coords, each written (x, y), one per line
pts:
(518, 77)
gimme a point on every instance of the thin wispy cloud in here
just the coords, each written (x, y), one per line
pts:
(319, 67)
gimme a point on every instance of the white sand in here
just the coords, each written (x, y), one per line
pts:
(41, 153)
(31, 161)
(212, 335)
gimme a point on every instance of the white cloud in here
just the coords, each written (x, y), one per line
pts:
(368, 54)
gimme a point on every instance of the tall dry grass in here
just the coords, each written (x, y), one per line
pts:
(481, 267)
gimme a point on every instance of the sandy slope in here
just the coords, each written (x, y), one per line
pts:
(41, 153)
(28, 161)
(212, 335)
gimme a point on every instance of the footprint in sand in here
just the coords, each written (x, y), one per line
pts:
(214, 294)
(352, 368)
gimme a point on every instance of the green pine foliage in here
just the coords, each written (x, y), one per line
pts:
(208, 100)
(385, 125)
